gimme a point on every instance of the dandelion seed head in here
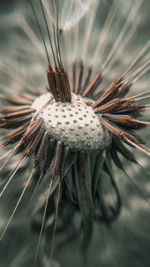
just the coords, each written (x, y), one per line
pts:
(86, 124)
(75, 123)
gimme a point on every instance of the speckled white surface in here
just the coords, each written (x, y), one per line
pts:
(74, 123)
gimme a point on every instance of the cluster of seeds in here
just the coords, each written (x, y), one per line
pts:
(75, 130)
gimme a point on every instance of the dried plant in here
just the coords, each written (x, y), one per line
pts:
(86, 119)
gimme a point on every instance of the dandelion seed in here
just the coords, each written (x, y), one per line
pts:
(78, 127)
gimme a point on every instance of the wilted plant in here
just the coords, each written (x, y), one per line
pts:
(84, 121)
